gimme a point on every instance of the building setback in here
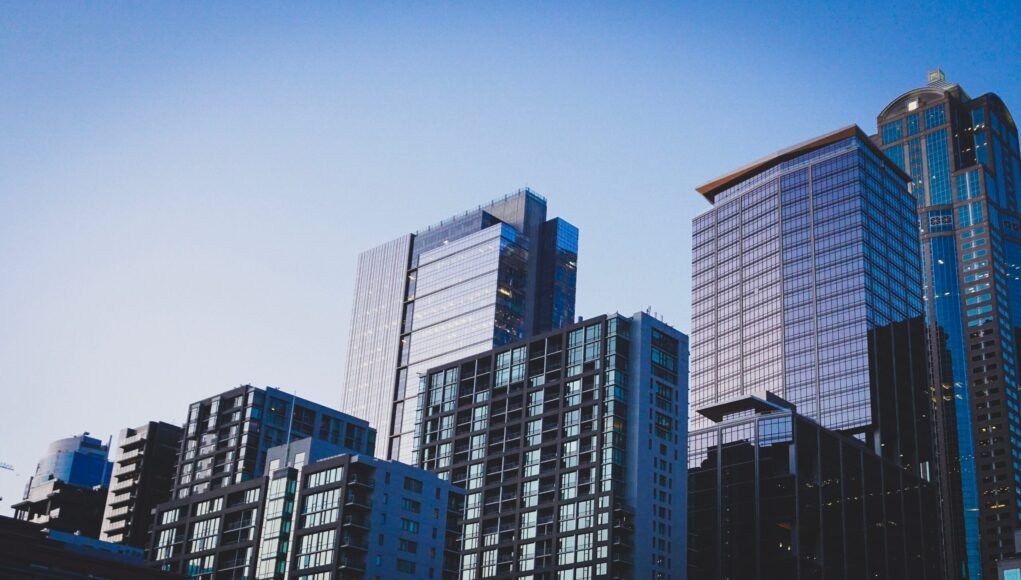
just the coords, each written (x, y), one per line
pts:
(962, 156)
(810, 451)
(486, 278)
(571, 449)
(227, 436)
(317, 515)
(142, 477)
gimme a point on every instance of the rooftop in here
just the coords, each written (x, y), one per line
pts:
(711, 189)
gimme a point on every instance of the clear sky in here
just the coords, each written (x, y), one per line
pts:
(184, 187)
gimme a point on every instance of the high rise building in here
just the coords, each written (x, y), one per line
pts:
(319, 512)
(810, 448)
(68, 490)
(142, 477)
(227, 436)
(571, 449)
(962, 156)
(482, 279)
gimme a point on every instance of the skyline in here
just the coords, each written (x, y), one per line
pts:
(172, 215)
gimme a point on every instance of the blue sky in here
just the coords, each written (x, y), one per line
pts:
(184, 187)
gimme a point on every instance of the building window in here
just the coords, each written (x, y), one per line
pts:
(316, 549)
(412, 485)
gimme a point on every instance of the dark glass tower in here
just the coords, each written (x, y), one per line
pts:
(809, 372)
(485, 278)
(962, 155)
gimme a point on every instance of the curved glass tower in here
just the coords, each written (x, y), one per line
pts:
(962, 155)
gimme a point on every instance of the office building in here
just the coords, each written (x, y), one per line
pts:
(142, 477)
(68, 490)
(962, 156)
(227, 436)
(321, 512)
(571, 449)
(482, 279)
(809, 372)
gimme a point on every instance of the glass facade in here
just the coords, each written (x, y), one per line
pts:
(811, 404)
(966, 189)
(483, 279)
(791, 276)
(570, 447)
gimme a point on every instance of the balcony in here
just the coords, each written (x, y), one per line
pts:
(354, 543)
(355, 522)
(346, 563)
(361, 481)
(353, 500)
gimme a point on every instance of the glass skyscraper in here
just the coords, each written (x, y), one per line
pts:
(482, 279)
(962, 156)
(810, 448)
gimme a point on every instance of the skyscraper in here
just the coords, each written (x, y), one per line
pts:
(482, 279)
(142, 476)
(571, 448)
(810, 444)
(962, 155)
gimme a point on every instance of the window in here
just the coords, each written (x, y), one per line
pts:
(324, 477)
(209, 506)
(320, 508)
(409, 525)
(893, 131)
(203, 535)
(408, 546)
(411, 505)
(412, 485)
(316, 549)
(405, 566)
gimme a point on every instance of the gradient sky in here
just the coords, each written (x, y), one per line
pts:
(184, 187)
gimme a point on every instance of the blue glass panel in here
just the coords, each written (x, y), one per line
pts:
(968, 185)
(913, 126)
(896, 154)
(938, 161)
(934, 117)
(970, 214)
(893, 131)
(977, 118)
